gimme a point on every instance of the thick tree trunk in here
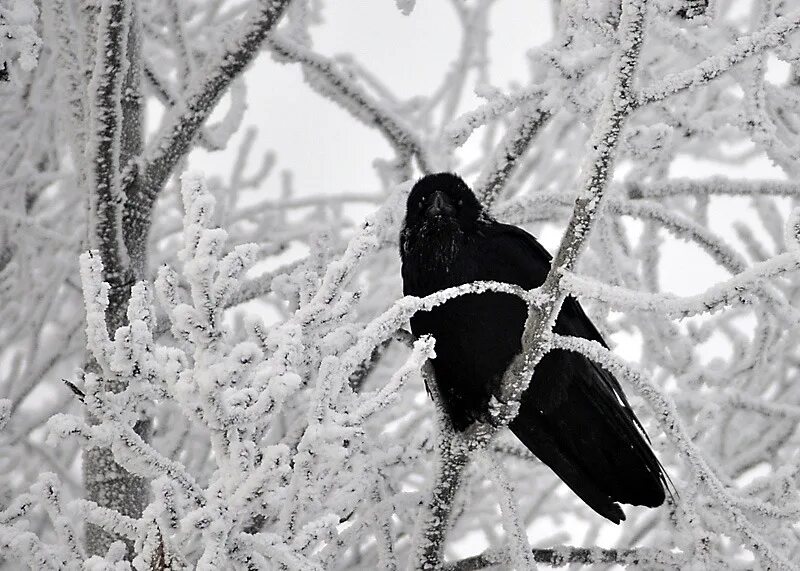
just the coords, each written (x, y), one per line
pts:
(107, 483)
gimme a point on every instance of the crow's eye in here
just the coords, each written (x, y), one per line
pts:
(459, 203)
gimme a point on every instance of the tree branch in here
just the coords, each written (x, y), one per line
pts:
(461, 128)
(598, 168)
(106, 198)
(168, 100)
(354, 100)
(566, 555)
(176, 137)
(729, 292)
(711, 186)
(714, 66)
(433, 523)
(530, 119)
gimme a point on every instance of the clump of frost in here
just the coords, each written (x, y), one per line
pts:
(19, 42)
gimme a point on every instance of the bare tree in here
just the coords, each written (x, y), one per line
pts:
(294, 431)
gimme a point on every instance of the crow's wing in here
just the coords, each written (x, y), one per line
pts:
(574, 416)
(571, 421)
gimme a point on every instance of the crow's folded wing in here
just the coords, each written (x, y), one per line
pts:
(571, 421)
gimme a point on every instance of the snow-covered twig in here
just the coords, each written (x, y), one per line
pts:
(516, 141)
(519, 549)
(716, 65)
(727, 293)
(459, 130)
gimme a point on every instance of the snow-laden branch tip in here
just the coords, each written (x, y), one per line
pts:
(459, 130)
(732, 292)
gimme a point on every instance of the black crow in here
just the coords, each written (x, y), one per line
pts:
(574, 416)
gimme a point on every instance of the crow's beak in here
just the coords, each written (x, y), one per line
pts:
(440, 205)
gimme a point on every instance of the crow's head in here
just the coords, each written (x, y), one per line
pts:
(442, 200)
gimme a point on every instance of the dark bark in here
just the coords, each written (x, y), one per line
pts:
(143, 179)
(566, 555)
(118, 117)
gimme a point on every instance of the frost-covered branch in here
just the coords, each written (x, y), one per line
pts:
(712, 186)
(566, 555)
(453, 454)
(459, 130)
(729, 293)
(597, 169)
(514, 144)
(325, 78)
(175, 138)
(716, 65)
(106, 196)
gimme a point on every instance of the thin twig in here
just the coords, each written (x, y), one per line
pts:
(530, 119)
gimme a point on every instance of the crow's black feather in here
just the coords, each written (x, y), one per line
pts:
(574, 416)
